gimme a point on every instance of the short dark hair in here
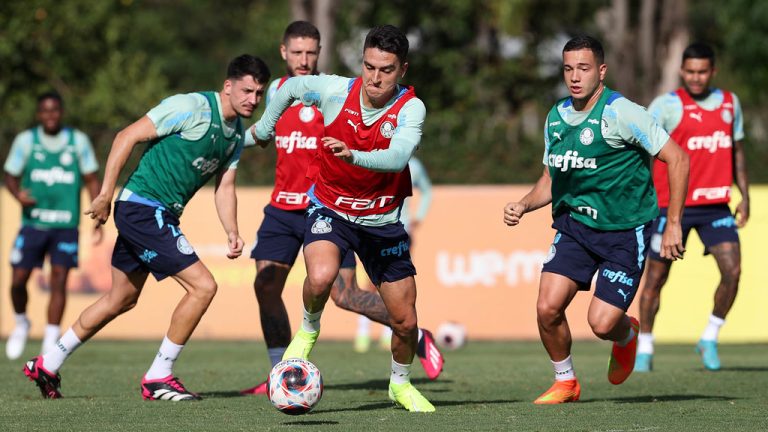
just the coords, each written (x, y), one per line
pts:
(247, 64)
(388, 38)
(586, 42)
(52, 94)
(699, 50)
(299, 29)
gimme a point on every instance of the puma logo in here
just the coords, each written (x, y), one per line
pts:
(695, 116)
(354, 125)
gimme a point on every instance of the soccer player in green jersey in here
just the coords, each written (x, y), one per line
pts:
(46, 168)
(598, 152)
(191, 138)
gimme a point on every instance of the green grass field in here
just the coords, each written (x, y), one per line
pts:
(485, 386)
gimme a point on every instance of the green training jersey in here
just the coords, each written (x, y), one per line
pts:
(53, 180)
(172, 168)
(606, 186)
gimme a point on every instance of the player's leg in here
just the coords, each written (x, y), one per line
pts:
(348, 295)
(555, 294)
(655, 277)
(28, 253)
(322, 259)
(62, 252)
(611, 323)
(125, 291)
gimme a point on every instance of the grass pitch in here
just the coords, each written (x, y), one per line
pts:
(485, 386)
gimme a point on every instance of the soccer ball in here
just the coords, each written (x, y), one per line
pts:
(451, 335)
(295, 386)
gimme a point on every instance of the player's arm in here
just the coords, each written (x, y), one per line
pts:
(740, 164)
(403, 144)
(538, 197)
(677, 171)
(308, 89)
(125, 140)
(14, 168)
(226, 207)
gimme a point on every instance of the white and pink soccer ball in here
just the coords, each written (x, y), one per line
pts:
(295, 386)
(451, 335)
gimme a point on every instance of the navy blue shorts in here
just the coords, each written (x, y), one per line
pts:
(384, 251)
(618, 258)
(150, 240)
(715, 224)
(281, 236)
(33, 244)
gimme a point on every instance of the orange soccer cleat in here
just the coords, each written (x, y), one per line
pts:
(622, 360)
(560, 392)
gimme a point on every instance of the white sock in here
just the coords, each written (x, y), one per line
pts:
(21, 320)
(52, 333)
(401, 373)
(311, 321)
(276, 354)
(564, 369)
(162, 366)
(712, 331)
(645, 343)
(68, 343)
(628, 339)
(363, 326)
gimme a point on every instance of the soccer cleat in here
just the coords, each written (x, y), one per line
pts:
(708, 351)
(14, 348)
(643, 362)
(48, 382)
(362, 343)
(260, 389)
(623, 357)
(429, 354)
(168, 388)
(301, 345)
(409, 398)
(560, 392)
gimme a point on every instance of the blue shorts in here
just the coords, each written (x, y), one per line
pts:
(150, 240)
(32, 244)
(618, 258)
(715, 224)
(384, 251)
(281, 236)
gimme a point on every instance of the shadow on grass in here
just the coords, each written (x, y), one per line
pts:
(661, 398)
(224, 394)
(744, 369)
(311, 423)
(382, 384)
(438, 405)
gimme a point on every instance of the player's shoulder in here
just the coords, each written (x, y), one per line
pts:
(621, 105)
(414, 107)
(186, 101)
(24, 136)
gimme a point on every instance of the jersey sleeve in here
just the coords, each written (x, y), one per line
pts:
(85, 153)
(637, 127)
(738, 120)
(188, 114)
(19, 154)
(404, 142)
(667, 111)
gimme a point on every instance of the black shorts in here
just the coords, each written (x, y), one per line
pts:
(578, 252)
(149, 239)
(383, 250)
(33, 244)
(714, 223)
(281, 236)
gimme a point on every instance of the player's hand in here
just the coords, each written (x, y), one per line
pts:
(100, 208)
(513, 212)
(25, 199)
(260, 143)
(672, 241)
(338, 148)
(742, 213)
(235, 244)
(98, 234)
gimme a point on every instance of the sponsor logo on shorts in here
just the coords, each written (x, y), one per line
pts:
(147, 256)
(321, 226)
(398, 250)
(726, 222)
(623, 294)
(67, 247)
(16, 256)
(182, 244)
(618, 276)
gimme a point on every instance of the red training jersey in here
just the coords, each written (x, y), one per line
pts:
(297, 137)
(707, 137)
(351, 189)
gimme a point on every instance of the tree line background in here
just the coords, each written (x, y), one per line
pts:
(487, 70)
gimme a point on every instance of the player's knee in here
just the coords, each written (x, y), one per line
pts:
(548, 314)
(320, 279)
(404, 325)
(731, 276)
(602, 327)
